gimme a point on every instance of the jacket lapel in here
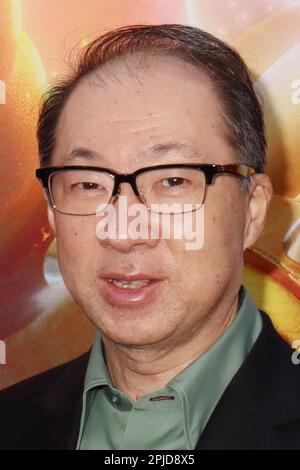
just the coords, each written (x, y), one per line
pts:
(260, 405)
(61, 406)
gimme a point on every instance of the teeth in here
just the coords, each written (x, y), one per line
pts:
(131, 284)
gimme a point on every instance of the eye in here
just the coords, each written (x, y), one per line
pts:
(173, 181)
(87, 186)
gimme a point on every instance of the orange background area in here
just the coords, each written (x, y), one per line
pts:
(39, 322)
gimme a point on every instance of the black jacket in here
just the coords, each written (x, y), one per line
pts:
(260, 408)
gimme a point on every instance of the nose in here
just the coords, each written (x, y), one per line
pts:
(130, 223)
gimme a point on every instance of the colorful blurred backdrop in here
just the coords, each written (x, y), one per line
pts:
(40, 325)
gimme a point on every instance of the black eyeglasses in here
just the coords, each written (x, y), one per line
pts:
(173, 188)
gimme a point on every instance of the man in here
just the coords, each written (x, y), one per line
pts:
(182, 358)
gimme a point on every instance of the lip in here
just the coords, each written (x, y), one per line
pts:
(129, 277)
(118, 296)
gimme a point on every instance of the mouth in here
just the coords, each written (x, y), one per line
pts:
(122, 289)
(122, 284)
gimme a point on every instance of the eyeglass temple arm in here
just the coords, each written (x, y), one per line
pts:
(241, 171)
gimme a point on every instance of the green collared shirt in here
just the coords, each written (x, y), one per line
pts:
(173, 417)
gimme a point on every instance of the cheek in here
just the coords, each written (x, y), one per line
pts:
(225, 220)
(224, 233)
(76, 241)
(220, 259)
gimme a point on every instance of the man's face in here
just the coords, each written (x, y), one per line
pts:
(172, 102)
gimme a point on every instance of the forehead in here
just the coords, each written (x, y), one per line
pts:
(130, 105)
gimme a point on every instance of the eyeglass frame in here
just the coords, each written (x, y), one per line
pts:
(210, 171)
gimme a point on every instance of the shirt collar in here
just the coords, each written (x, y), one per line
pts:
(200, 385)
(97, 372)
(204, 381)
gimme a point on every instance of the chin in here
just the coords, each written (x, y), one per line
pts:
(132, 336)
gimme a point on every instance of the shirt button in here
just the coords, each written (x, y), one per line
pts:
(115, 400)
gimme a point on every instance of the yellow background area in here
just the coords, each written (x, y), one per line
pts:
(40, 324)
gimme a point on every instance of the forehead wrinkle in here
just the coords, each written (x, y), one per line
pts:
(158, 149)
(171, 148)
(134, 120)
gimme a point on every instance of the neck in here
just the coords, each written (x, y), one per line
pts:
(137, 371)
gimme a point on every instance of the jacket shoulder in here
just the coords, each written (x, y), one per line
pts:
(270, 374)
(38, 413)
(260, 409)
(37, 384)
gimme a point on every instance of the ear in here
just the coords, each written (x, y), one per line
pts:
(51, 218)
(258, 202)
(50, 211)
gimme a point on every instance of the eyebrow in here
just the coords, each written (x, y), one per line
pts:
(180, 148)
(84, 153)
